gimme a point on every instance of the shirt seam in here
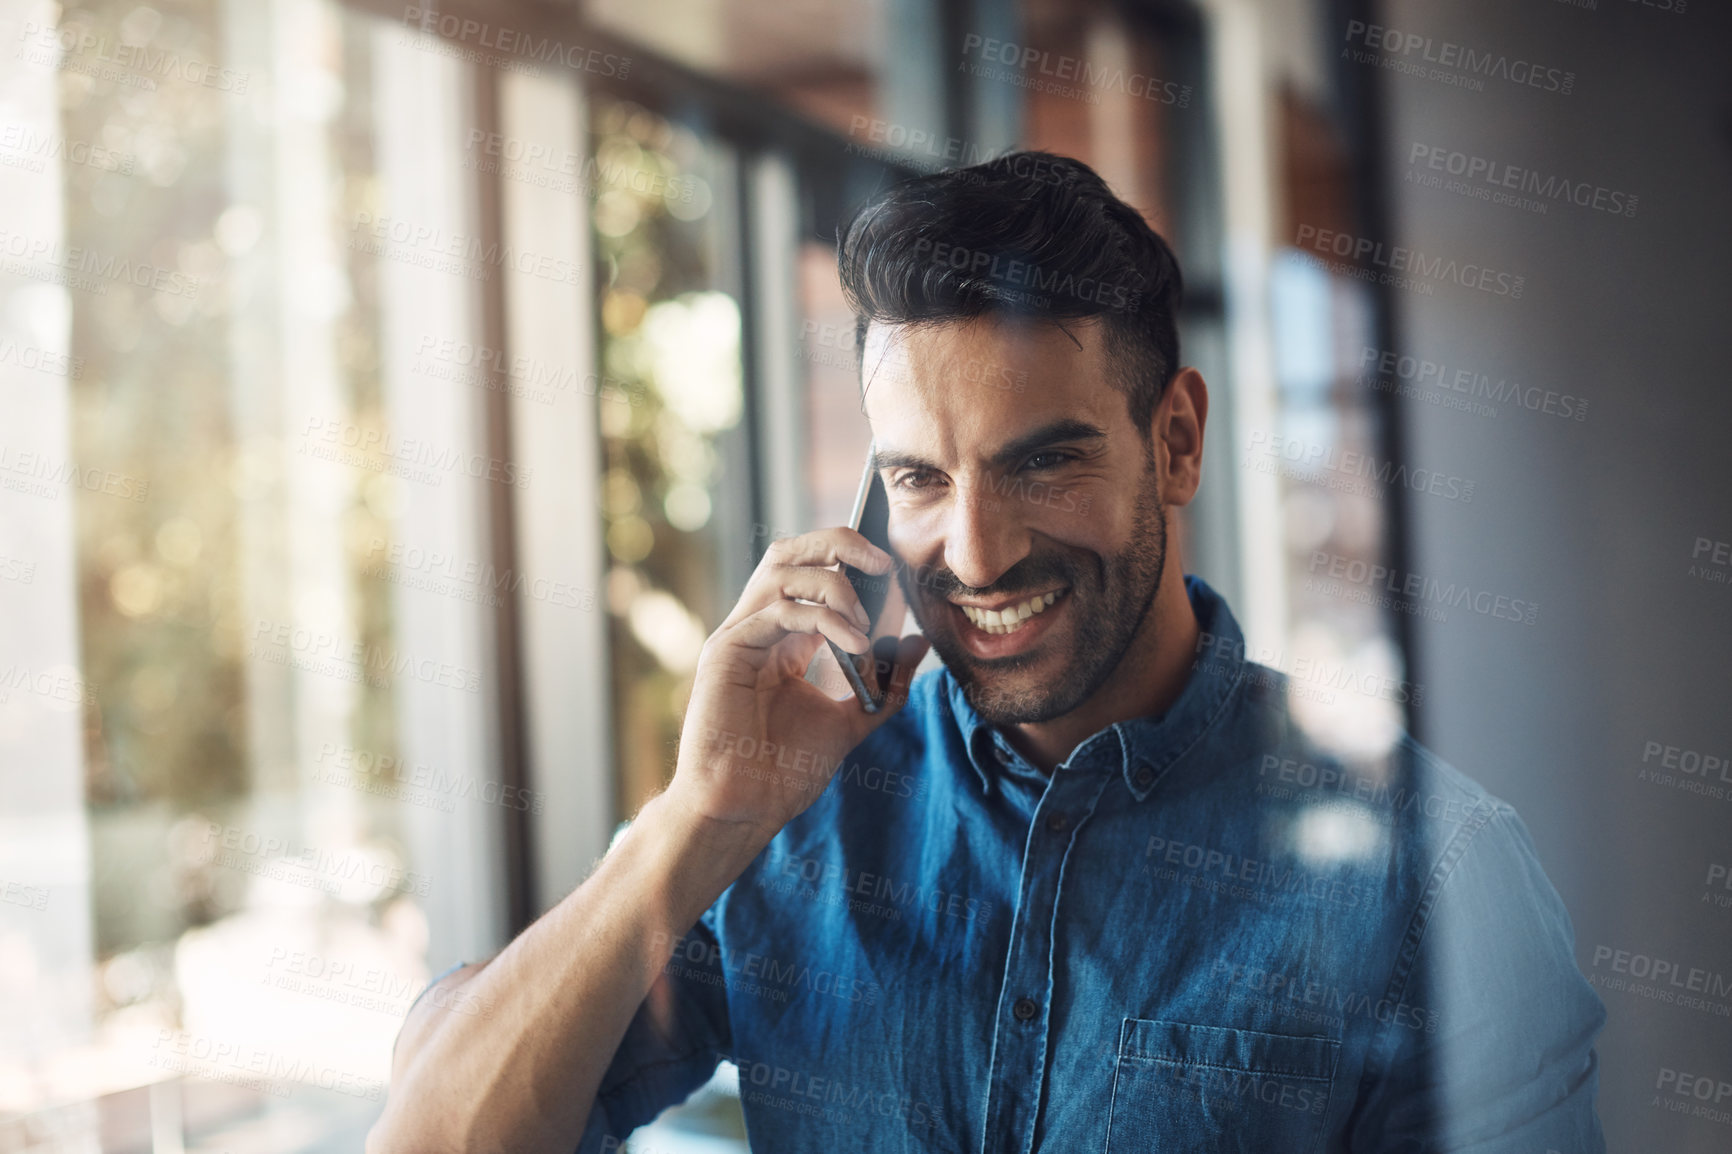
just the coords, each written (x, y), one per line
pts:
(1065, 867)
(1202, 730)
(425, 990)
(1306, 1075)
(1420, 924)
(630, 1084)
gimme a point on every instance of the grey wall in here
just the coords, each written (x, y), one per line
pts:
(1595, 520)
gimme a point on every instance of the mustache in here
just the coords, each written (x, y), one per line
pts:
(1025, 576)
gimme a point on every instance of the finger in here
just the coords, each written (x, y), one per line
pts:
(777, 620)
(793, 654)
(890, 654)
(892, 666)
(825, 672)
(909, 652)
(832, 546)
(776, 578)
(828, 586)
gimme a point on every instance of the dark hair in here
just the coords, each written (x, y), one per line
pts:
(1026, 234)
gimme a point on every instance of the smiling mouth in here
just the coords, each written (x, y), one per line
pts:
(1011, 618)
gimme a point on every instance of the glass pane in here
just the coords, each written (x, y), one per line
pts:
(672, 402)
(824, 58)
(1348, 688)
(282, 699)
(838, 433)
(1089, 85)
(1326, 461)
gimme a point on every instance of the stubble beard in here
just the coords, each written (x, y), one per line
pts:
(1110, 600)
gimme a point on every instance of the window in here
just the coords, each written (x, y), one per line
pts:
(676, 472)
(259, 699)
(384, 424)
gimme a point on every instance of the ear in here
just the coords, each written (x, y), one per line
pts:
(1177, 429)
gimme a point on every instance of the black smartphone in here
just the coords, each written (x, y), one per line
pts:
(878, 592)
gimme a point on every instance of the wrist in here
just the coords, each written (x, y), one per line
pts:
(700, 833)
(703, 854)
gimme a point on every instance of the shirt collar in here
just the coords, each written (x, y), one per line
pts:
(1143, 748)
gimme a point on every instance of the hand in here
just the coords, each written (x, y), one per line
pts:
(759, 742)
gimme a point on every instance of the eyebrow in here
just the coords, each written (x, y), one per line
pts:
(1057, 432)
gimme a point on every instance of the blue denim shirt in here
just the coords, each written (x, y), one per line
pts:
(1201, 932)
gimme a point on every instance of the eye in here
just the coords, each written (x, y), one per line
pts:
(915, 479)
(1053, 458)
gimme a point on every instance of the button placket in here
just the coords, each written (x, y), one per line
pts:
(1019, 1044)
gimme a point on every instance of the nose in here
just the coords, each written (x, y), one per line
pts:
(984, 536)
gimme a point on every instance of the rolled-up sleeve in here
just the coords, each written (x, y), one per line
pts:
(1496, 1055)
(672, 1046)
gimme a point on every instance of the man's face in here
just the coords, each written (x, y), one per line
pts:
(1017, 483)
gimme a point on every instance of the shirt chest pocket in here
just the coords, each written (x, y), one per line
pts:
(1179, 1088)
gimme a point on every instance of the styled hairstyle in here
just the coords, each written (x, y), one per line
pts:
(1027, 234)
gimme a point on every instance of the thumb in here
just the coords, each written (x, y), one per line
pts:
(899, 656)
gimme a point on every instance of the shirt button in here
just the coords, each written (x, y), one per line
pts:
(1058, 823)
(1145, 777)
(1024, 1009)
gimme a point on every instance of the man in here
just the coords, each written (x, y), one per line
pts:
(1087, 887)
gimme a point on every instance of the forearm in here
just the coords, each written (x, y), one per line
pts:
(521, 1075)
(515, 1062)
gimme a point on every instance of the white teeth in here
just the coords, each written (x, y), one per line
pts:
(1010, 619)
